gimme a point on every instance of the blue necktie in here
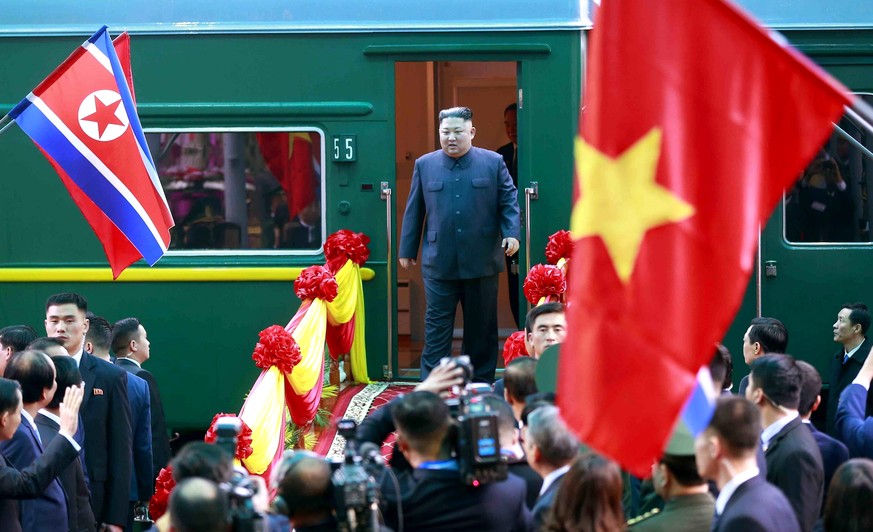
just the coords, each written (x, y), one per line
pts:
(845, 359)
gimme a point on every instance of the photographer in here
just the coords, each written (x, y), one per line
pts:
(198, 505)
(303, 485)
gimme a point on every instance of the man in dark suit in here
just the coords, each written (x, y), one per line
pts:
(850, 331)
(725, 453)
(303, 492)
(550, 449)
(105, 412)
(833, 451)
(764, 335)
(464, 200)
(131, 346)
(33, 480)
(794, 462)
(13, 339)
(509, 152)
(35, 372)
(48, 423)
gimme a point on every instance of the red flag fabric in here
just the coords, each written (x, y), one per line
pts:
(289, 158)
(695, 121)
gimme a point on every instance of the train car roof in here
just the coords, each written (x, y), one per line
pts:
(811, 14)
(63, 17)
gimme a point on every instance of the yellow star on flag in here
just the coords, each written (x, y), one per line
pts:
(620, 200)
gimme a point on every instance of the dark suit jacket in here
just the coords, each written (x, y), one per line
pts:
(79, 515)
(854, 428)
(48, 511)
(544, 503)
(31, 481)
(533, 481)
(142, 485)
(744, 383)
(833, 454)
(794, 466)
(507, 151)
(756, 506)
(842, 375)
(160, 442)
(438, 500)
(465, 207)
(106, 414)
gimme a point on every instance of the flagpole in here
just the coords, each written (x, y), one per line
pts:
(861, 112)
(853, 141)
(5, 123)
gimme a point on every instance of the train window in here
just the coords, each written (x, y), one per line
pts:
(231, 191)
(829, 202)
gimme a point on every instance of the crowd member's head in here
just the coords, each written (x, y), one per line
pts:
(98, 337)
(851, 326)
(456, 131)
(676, 474)
(510, 122)
(66, 375)
(721, 368)
(507, 425)
(10, 408)
(200, 459)
(53, 347)
(545, 326)
(422, 421)
(810, 389)
(764, 335)
(849, 505)
(548, 443)
(774, 386)
(65, 319)
(35, 372)
(14, 339)
(589, 498)
(534, 401)
(729, 443)
(304, 489)
(198, 505)
(519, 381)
(129, 339)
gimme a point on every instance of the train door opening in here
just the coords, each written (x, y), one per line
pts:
(421, 90)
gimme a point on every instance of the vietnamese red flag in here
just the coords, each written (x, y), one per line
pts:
(695, 121)
(289, 158)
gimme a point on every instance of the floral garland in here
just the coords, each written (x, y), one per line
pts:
(316, 282)
(544, 281)
(346, 245)
(243, 442)
(276, 347)
(560, 246)
(163, 487)
(514, 347)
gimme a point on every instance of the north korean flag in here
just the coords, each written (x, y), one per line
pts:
(84, 120)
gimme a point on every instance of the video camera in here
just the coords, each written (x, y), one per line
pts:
(478, 439)
(240, 490)
(355, 489)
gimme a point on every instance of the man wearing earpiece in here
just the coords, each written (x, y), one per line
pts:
(303, 486)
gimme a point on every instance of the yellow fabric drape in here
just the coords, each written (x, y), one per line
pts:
(358, 352)
(266, 419)
(309, 335)
(342, 308)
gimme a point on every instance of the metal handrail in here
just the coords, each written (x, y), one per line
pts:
(385, 191)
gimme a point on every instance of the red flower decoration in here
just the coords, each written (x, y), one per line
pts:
(344, 245)
(514, 347)
(276, 347)
(163, 486)
(243, 442)
(316, 282)
(560, 246)
(542, 281)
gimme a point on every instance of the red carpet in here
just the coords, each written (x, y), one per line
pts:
(356, 402)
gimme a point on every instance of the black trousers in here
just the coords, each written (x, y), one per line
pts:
(478, 299)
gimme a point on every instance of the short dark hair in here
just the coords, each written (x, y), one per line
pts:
(850, 497)
(200, 459)
(519, 379)
(67, 375)
(45, 342)
(737, 422)
(721, 367)
(506, 422)
(10, 393)
(66, 298)
(683, 468)
(778, 377)
(534, 401)
(198, 505)
(122, 333)
(553, 307)
(17, 337)
(99, 331)
(510, 107)
(858, 315)
(770, 333)
(34, 371)
(423, 418)
(810, 387)
(456, 112)
(304, 483)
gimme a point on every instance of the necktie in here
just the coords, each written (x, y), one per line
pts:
(715, 520)
(845, 358)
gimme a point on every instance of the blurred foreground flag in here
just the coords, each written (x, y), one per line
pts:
(84, 120)
(695, 120)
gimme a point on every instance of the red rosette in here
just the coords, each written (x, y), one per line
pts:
(243, 442)
(514, 347)
(276, 347)
(560, 246)
(344, 245)
(164, 484)
(544, 280)
(316, 282)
